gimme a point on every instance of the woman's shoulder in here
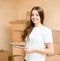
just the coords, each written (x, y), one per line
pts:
(46, 29)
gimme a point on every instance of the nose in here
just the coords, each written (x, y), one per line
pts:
(34, 16)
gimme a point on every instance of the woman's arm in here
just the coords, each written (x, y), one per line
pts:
(49, 50)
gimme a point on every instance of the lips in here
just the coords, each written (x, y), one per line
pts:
(35, 20)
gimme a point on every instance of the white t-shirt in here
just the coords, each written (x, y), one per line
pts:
(37, 39)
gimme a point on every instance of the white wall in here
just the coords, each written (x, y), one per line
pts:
(8, 12)
(51, 9)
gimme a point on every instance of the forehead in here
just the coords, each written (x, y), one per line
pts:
(35, 12)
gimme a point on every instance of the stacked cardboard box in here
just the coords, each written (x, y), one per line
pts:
(3, 55)
(56, 40)
(55, 36)
(18, 58)
(53, 58)
(28, 15)
(56, 48)
(17, 28)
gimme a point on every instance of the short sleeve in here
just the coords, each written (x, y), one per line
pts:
(48, 38)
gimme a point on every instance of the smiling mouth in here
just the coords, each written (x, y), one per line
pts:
(34, 19)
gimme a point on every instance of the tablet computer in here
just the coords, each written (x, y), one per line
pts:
(17, 45)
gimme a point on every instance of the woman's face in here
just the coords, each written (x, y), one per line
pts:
(35, 17)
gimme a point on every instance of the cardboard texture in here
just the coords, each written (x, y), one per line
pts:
(17, 28)
(18, 51)
(59, 36)
(28, 15)
(18, 58)
(56, 48)
(20, 27)
(16, 36)
(19, 24)
(3, 56)
(55, 35)
(53, 58)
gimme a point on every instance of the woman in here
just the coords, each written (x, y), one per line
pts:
(39, 41)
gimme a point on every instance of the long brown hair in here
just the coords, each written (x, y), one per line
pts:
(28, 30)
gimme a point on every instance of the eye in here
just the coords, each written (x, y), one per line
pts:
(37, 14)
(32, 14)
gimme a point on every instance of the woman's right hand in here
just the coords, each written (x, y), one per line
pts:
(28, 49)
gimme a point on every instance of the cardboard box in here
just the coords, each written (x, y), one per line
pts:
(17, 36)
(55, 36)
(3, 55)
(59, 36)
(18, 25)
(53, 58)
(18, 58)
(56, 48)
(28, 15)
(18, 51)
